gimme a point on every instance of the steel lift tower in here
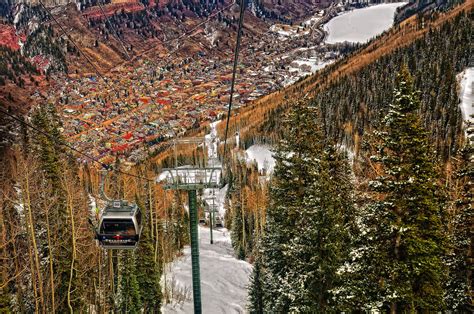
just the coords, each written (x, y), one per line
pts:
(192, 178)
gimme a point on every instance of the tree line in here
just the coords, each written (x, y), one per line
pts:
(55, 266)
(396, 240)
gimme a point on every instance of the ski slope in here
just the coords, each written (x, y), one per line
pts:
(360, 25)
(224, 279)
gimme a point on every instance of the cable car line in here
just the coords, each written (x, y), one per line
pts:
(114, 29)
(202, 23)
(236, 53)
(164, 42)
(120, 223)
(234, 71)
(189, 32)
(76, 46)
(171, 40)
(68, 146)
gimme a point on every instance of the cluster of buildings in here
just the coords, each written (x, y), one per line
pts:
(136, 108)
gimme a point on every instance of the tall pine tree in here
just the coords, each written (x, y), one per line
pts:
(295, 156)
(308, 227)
(325, 227)
(459, 284)
(256, 289)
(148, 270)
(129, 300)
(398, 265)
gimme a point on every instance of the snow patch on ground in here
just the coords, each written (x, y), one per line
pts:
(18, 14)
(349, 151)
(287, 31)
(263, 155)
(224, 279)
(19, 206)
(360, 25)
(307, 66)
(467, 94)
(313, 20)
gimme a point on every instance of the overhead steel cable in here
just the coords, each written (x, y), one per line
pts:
(69, 146)
(192, 30)
(187, 33)
(77, 47)
(203, 22)
(234, 72)
(114, 29)
(130, 59)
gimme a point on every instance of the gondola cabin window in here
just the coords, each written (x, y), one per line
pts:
(118, 226)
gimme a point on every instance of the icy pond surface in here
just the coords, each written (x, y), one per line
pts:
(360, 25)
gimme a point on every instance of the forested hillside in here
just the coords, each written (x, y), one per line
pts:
(369, 206)
(55, 265)
(333, 243)
(339, 238)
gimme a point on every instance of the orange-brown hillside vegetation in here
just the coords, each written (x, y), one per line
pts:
(250, 118)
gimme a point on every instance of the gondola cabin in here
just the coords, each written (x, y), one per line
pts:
(219, 222)
(120, 225)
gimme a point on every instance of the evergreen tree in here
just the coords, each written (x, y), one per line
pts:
(325, 228)
(398, 265)
(129, 299)
(237, 234)
(308, 221)
(256, 289)
(148, 270)
(295, 158)
(54, 167)
(459, 284)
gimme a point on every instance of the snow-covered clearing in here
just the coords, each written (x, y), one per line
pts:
(467, 94)
(224, 278)
(287, 31)
(307, 66)
(263, 155)
(316, 18)
(360, 25)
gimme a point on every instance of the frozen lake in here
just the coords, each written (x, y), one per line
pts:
(360, 25)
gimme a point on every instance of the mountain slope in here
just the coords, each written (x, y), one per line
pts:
(257, 119)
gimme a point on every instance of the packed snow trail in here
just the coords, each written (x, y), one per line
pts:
(224, 279)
